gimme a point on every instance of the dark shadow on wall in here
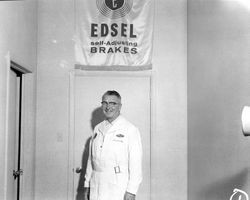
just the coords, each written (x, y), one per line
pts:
(97, 117)
(223, 189)
(79, 195)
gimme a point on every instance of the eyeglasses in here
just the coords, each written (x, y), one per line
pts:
(111, 103)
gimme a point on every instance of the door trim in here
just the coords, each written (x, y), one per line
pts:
(81, 73)
(22, 72)
(19, 68)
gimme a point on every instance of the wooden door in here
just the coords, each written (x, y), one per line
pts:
(136, 107)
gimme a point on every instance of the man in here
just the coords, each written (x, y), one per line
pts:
(114, 164)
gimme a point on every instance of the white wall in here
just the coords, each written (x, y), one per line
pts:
(18, 40)
(56, 59)
(169, 141)
(218, 88)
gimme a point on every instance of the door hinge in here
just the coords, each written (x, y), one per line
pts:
(17, 173)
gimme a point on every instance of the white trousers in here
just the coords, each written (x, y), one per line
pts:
(108, 185)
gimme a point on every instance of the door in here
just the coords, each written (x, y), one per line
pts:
(88, 90)
(14, 137)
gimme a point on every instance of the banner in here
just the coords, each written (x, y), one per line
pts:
(114, 34)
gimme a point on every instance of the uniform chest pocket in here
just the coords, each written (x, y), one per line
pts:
(119, 143)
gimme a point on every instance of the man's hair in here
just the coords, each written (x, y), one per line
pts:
(112, 92)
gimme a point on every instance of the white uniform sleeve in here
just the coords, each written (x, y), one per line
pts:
(89, 167)
(135, 161)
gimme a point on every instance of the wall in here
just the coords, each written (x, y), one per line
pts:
(218, 88)
(169, 141)
(55, 60)
(18, 42)
(169, 131)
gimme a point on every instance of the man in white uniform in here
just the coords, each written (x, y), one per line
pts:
(114, 169)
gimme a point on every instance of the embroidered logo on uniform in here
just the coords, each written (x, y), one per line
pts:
(120, 135)
(117, 140)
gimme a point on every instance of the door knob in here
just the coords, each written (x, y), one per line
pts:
(78, 170)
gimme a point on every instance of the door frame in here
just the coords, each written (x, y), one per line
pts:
(24, 82)
(81, 73)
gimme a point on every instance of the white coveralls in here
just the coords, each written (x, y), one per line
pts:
(115, 157)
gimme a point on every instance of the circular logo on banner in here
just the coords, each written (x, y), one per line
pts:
(114, 5)
(114, 8)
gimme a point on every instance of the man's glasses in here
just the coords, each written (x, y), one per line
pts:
(111, 103)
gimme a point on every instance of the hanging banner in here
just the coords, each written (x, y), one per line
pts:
(114, 34)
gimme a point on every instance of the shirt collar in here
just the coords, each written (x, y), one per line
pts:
(107, 126)
(107, 123)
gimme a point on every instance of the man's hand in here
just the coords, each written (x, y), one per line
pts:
(129, 196)
(86, 194)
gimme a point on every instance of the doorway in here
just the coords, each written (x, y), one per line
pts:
(14, 133)
(87, 89)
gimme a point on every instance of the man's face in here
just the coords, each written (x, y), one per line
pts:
(111, 106)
